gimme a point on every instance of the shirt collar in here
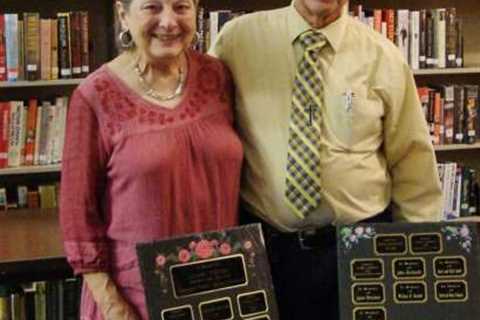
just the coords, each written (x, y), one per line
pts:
(334, 32)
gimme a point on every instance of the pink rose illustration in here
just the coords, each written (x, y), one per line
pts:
(204, 249)
(160, 260)
(214, 243)
(225, 249)
(184, 255)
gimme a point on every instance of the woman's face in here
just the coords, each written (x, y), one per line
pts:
(161, 29)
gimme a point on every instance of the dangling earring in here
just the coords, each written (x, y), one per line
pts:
(196, 39)
(126, 39)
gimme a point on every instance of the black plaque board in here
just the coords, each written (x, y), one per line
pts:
(390, 271)
(218, 275)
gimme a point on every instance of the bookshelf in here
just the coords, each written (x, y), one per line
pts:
(31, 249)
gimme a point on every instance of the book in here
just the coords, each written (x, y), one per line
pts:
(64, 46)
(440, 36)
(11, 44)
(3, 48)
(212, 275)
(31, 32)
(451, 38)
(4, 132)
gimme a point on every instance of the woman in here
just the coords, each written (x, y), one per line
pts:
(150, 153)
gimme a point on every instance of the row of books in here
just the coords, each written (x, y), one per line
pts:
(451, 111)
(209, 24)
(44, 196)
(428, 38)
(34, 48)
(460, 190)
(32, 133)
(42, 300)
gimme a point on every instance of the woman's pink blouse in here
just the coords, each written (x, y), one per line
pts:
(134, 171)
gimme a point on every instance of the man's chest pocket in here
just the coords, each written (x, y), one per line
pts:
(355, 122)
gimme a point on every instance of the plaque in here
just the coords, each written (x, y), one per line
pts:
(220, 309)
(369, 313)
(178, 313)
(410, 292)
(450, 267)
(409, 271)
(391, 244)
(408, 268)
(218, 275)
(451, 291)
(426, 243)
(367, 269)
(252, 303)
(210, 275)
(368, 293)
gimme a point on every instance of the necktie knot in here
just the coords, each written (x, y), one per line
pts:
(312, 40)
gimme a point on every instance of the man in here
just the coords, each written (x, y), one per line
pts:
(333, 132)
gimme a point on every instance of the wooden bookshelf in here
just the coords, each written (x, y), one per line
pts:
(30, 169)
(30, 246)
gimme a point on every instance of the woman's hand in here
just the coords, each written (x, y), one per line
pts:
(105, 293)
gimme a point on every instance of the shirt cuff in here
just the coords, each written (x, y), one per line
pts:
(86, 256)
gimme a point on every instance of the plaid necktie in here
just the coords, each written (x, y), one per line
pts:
(303, 160)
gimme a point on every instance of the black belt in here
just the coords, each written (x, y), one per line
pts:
(307, 239)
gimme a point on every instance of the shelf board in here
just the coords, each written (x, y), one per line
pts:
(447, 71)
(30, 169)
(456, 147)
(39, 83)
(30, 239)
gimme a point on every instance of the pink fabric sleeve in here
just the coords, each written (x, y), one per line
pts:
(82, 187)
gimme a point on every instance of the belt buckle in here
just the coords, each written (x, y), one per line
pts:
(302, 235)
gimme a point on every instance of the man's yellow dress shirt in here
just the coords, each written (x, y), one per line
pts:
(375, 145)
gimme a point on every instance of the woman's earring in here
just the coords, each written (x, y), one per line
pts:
(196, 39)
(126, 39)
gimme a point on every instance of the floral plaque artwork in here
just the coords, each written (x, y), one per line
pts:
(218, 275)
(390, 271)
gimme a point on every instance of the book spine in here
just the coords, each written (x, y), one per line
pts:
(459, 43)
(31, 126)
(45, 49)
(422, 60)
(4, 133)
(403, 32)
(64, 55)
(3, 48)
(21, 51)
(54, 49)
(76, 44)
(459, 126)
(451, 38)
(38, 134)
(449, 112)
(32, 45)
(471, 111)
(11, 42)
(430, 32)
(14, 137)
(85, 56)
(440, 36)
(415, 40)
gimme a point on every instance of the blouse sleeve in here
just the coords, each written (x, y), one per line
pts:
(82, 220)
